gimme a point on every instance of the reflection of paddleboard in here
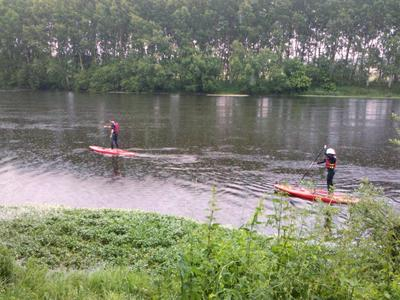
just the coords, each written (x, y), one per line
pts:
(315, 195)
(109, 151)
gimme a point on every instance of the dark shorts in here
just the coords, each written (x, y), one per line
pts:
(329, 178)
(114, 140)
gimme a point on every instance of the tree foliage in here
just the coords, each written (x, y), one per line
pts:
(257, 46)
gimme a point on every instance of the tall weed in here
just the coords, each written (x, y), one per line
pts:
(321, 252)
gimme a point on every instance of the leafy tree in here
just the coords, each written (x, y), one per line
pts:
(257, 46)
(295, 70)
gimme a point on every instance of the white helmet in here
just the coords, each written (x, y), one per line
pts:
(330, 151)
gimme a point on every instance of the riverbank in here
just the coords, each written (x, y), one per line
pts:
(339, 92)
(62, 253)
(375, 92)
(354, 92)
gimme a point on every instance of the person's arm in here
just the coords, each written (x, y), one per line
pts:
(321, 162)
(109, 125)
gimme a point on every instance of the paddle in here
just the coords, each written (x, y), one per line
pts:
(308, 169)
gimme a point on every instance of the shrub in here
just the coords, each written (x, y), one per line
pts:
(6, 265)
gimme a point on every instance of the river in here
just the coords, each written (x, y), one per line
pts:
(187, 144)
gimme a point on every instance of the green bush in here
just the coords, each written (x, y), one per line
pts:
(295, 71)
(6, 266)
(105, 78)
(118, 254)
(329, 86)
(58, 74)
(81, 80)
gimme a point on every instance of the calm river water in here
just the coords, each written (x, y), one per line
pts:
(186, 145)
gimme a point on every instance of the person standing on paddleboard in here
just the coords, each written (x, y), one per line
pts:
(330, 165)
(114, 126)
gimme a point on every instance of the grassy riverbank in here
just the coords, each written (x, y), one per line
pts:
(355, 92)
(374, 92)
(109, 254)
(339, 92)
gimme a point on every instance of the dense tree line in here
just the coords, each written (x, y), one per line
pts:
(258, 46)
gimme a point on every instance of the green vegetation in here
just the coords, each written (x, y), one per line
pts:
(106, 254)
(356, 92)
(396, 140)
(237, 46)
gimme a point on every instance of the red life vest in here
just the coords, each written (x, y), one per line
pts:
(116, 128)
(330, 165)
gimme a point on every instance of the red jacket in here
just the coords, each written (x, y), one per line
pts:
(330, 162)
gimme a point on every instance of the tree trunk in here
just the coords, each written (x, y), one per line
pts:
(67, 82)
(348, 51)
(80, 61)
(333, 52)
(353, 72)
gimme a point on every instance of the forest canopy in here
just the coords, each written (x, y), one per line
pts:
(253, 46)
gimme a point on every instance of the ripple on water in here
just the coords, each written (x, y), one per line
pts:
(44, 158)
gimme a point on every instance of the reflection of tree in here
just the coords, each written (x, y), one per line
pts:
(396, 118)
(224, 115)
(116, 166)
(174, 115)
(263, 107)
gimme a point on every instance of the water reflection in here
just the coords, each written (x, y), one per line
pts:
(187, 144)
(224, 120)
(116, 161)
(263, 108)
(174, 116)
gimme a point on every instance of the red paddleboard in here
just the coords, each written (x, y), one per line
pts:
(315, 195)
(109, 151)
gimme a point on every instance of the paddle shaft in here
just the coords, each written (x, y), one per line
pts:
(319, 153)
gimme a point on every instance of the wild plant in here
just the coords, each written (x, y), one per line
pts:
(358, 258)
(196, 265)
(282, 219)
(251, 227)
(373, 232)
(211, 225)
(7, 267)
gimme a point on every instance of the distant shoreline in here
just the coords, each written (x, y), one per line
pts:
(15, 90)
(227, 95)
(349, 96)
(373, 95)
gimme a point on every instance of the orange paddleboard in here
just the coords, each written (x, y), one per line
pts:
(109, 151)
(315, 195)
